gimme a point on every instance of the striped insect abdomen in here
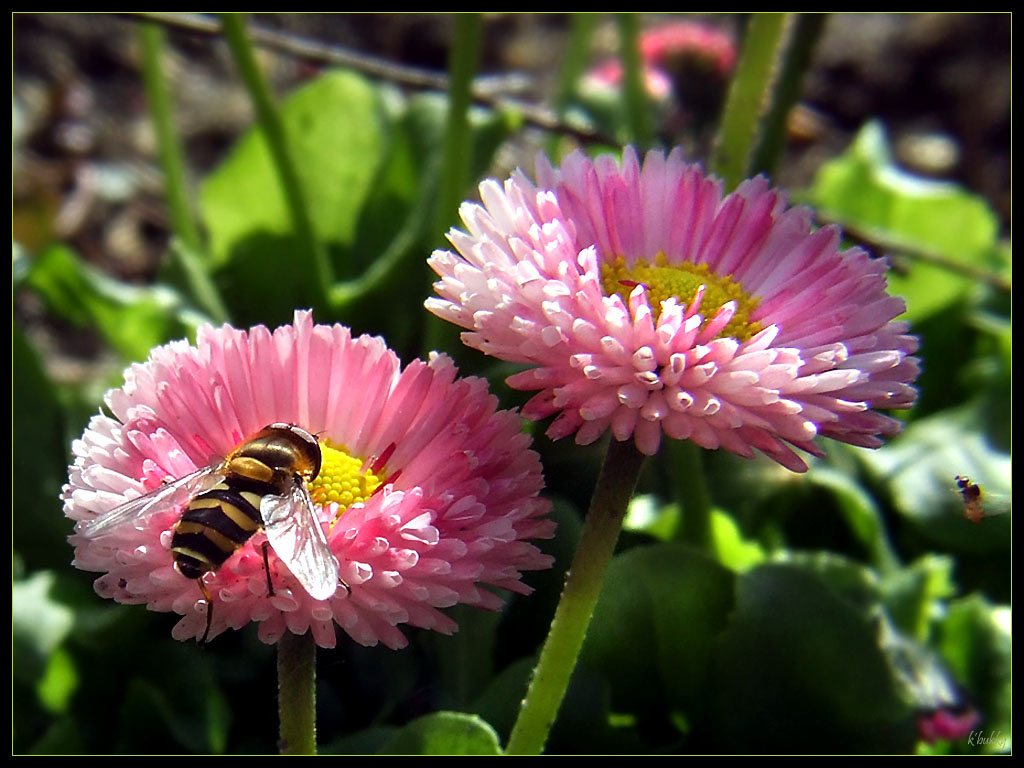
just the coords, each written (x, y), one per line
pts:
(216, 523)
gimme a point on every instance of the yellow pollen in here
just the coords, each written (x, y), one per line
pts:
(341, 480)
(681, 281)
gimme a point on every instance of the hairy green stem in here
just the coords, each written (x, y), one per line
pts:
(558, 657)
(749, 97)
(462, 63)
(455, 152)
(795, 61)
(634, 88)
(296, 693)
(311, 250)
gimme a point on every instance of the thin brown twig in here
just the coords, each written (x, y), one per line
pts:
(412, 77)
(880, 242)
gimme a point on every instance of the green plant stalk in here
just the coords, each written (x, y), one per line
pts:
(634, 90)
(689, 488)
(806, 29)
(749, 97)
(312, 251)
(296, 693)
(574, 64)
(558, 657)
(404, 240)
(201, 288)
(455, 153)
(577, 56)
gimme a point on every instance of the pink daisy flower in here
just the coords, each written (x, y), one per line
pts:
(646, 302)
(426, 494)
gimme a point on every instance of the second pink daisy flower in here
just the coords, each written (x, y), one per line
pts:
(647, 302)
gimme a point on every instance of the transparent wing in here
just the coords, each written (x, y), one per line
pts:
(294, 532)
(172, 494)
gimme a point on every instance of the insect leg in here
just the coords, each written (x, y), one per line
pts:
(266, 568)
(209, 611)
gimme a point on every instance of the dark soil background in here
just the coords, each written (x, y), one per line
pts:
(84, 159)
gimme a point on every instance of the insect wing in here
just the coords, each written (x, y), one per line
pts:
(173, 494)
(294, 532)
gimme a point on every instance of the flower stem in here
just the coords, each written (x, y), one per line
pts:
(296, 693)
(690, 490)
(794, 63)
(749, 96)
(582, 586)
(634, 88)
(189, 253)
(271, 125)
(462, 64)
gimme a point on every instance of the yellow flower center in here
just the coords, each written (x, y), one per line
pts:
(681, 281)
(342, 480)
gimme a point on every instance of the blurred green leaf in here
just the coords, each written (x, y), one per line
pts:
(61, 738)
(860, 511)
(39, 461)
(195, 717)
(499, 703)
(338, 135)
(854, 582)
(920, 467)
(912, 595)
(132, 320)
(798, 670)
(368, 741)
(732, 549)
(444, 733)
(655, 624)
(646, 514)
(863, 190)
(39, 624)
(59, 681)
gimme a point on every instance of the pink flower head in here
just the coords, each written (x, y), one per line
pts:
(661, 46)
(663, 50)
(645, 302)
(427, 492)
(946, 724)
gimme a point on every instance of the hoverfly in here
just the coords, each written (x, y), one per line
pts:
(261, 484)
(979, 504)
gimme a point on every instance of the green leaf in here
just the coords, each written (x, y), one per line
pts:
(132, 320)
(865, 191)
(444, 733)
(733, 550)
(39, 624)
(654, 627)
(59, 681)
(913, 594)
(920, 466)
(61, 738)
(799, 670)
(338, 135)
(851, 580)
(39, 462)
(194, 716)
(860, 511)
(646, 515)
